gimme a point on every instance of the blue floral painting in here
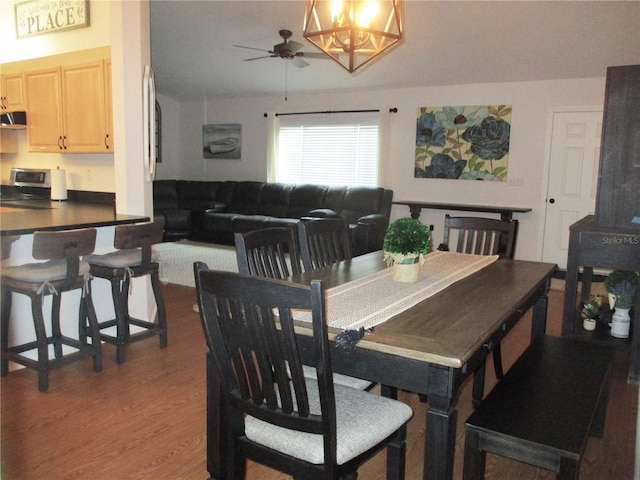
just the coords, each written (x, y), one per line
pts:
(463, 143)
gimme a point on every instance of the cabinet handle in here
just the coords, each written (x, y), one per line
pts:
(64, 142)
(106, 141)
(60, 142)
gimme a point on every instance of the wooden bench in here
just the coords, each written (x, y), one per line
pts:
(544, 408)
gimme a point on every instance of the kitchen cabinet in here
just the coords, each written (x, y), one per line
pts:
(12, 96)
(68, 109)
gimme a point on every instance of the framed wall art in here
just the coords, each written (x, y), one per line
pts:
(463, 143)
(222, 141)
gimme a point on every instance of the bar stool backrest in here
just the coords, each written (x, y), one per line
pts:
(136, 235)
(139, 235)
(53, 245)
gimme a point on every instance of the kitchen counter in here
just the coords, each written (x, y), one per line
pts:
(25, 216)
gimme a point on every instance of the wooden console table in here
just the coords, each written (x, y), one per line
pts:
(600, 247)
(506, 213)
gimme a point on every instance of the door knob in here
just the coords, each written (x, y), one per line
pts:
(552, 200)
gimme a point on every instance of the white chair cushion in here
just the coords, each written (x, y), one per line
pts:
(42, 272)
(353, 382)
(363, 419)
(120, 258)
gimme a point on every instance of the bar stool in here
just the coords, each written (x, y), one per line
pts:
(63, 271)
(134, 257)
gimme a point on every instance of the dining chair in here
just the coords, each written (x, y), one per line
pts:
(134, 257)
(482, 236)
(306, 428)
(268, 252)
(273, 253)
(323, 242)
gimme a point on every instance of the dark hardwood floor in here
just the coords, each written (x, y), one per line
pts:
(145, 419)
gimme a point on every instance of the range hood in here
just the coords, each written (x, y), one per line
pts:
(13, 120)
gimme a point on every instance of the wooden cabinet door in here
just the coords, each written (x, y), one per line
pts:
(84, 108)
(44, 122)
(13, 97)
(108, 105)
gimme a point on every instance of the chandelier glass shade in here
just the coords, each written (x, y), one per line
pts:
(353, 32)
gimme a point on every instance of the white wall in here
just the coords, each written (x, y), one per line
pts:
(526, 185)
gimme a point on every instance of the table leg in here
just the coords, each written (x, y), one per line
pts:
(539, 321)
(440, 439)
(217, 451)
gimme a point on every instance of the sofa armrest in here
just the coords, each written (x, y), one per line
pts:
(370, 233)
(323, 213)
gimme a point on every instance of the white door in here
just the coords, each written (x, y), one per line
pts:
(573, 178)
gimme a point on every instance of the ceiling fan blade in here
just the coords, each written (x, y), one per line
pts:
(299, 62)
(259, 58)
(252, 48)
(294, 46)
(318, 55)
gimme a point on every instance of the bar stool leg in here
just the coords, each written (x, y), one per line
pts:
(4, 332)
(41, 341)
(162, 314)
(89, 314)
(119, 291)
(56, 333)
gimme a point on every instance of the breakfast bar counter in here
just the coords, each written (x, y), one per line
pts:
(20, 217)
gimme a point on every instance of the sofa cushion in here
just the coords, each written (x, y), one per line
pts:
(246, 223)
(305, 198)
(360, 201)
(274, 199)
(216, 221)
(165, 195)
(246, 198)
(197, 195)
(334, 198)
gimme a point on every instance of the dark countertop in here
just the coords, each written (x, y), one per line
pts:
(25, 216)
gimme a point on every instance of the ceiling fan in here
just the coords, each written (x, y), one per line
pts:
(289, 50)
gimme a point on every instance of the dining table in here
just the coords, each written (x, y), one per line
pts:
(426, 338)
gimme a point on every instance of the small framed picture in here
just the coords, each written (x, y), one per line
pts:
(222, 141)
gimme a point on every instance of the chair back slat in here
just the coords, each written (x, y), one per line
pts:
(249, 330)
(323, 242)
(54, 245)
(270, 253)
(482, 236)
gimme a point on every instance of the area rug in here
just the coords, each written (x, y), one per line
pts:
(176, 260)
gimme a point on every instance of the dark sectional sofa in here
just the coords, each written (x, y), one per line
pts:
(212, 211)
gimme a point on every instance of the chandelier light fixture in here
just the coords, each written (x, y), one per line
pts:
(353, 32)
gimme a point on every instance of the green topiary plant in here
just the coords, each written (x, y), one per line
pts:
(623, 284)
(406, 236)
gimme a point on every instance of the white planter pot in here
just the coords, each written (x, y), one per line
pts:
(620, 322)
(589, 324)
(406, 268)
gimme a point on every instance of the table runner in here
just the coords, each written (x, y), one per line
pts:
(372, 300)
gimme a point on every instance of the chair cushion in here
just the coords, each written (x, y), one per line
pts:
(120, 258)
(353, 382)
(42, 272)
(363, 420)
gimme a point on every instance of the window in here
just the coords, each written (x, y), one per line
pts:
(329, 153)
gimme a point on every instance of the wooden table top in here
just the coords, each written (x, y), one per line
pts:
(449, 327)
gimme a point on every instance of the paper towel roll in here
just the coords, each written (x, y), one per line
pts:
(58, 184)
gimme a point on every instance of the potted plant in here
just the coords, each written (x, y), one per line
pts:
(405, 241)
(621, 282)
(590, 310)
(622, 285)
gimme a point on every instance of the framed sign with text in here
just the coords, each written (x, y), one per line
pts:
(47, 16)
